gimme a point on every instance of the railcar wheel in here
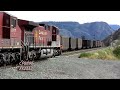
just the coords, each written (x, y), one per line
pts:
(54, 53)
(32, 55)
(17, 57)
(12, 58)
(31, 58)
(8, 58)
(1, 60)
(38, 55)
(60, 52)
(25, 56)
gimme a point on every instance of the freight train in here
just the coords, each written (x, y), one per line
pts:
(27, 40)
(69, 43)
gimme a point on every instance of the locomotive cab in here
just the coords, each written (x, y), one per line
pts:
(10, 39)
(9, 31)
(9, 26)
(56, 40)
(55, 37)
(6, 26)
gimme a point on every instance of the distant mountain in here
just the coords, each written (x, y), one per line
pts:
(100, 29)
(94, 30)
(115, 27)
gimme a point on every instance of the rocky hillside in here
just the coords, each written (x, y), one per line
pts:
(94, 30)
(111, 38)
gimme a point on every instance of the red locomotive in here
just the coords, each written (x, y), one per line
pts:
(26, 40)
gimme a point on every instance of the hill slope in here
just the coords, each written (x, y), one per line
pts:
(94, 30)
(113, 37)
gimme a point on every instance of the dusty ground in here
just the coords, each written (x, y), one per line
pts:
(66, 67)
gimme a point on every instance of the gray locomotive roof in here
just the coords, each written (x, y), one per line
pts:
(48, 24)
(33, 23)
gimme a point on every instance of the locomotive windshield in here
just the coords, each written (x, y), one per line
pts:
(47, 27)
(13, 22)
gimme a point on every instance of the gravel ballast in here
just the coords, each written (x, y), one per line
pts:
(66, 67)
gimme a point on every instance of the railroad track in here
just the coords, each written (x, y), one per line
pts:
(80, 51)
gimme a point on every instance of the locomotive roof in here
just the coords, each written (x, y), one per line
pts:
(55, 26)
(7, 13)
(43, 24)
(33, 23)
(29, 23)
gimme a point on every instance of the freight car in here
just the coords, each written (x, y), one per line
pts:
(64, 43)
(94, 44)
(69, 43)
(98, 43)
(78, 43)
(72, 43)
(91, 44)
(86, 44)
(102, 44)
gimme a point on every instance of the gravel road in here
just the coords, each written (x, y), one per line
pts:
(66, 67)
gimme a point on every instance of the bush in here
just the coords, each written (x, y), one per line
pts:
(108, 50)
(116, 52)
(104, 54)
(85, 55)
